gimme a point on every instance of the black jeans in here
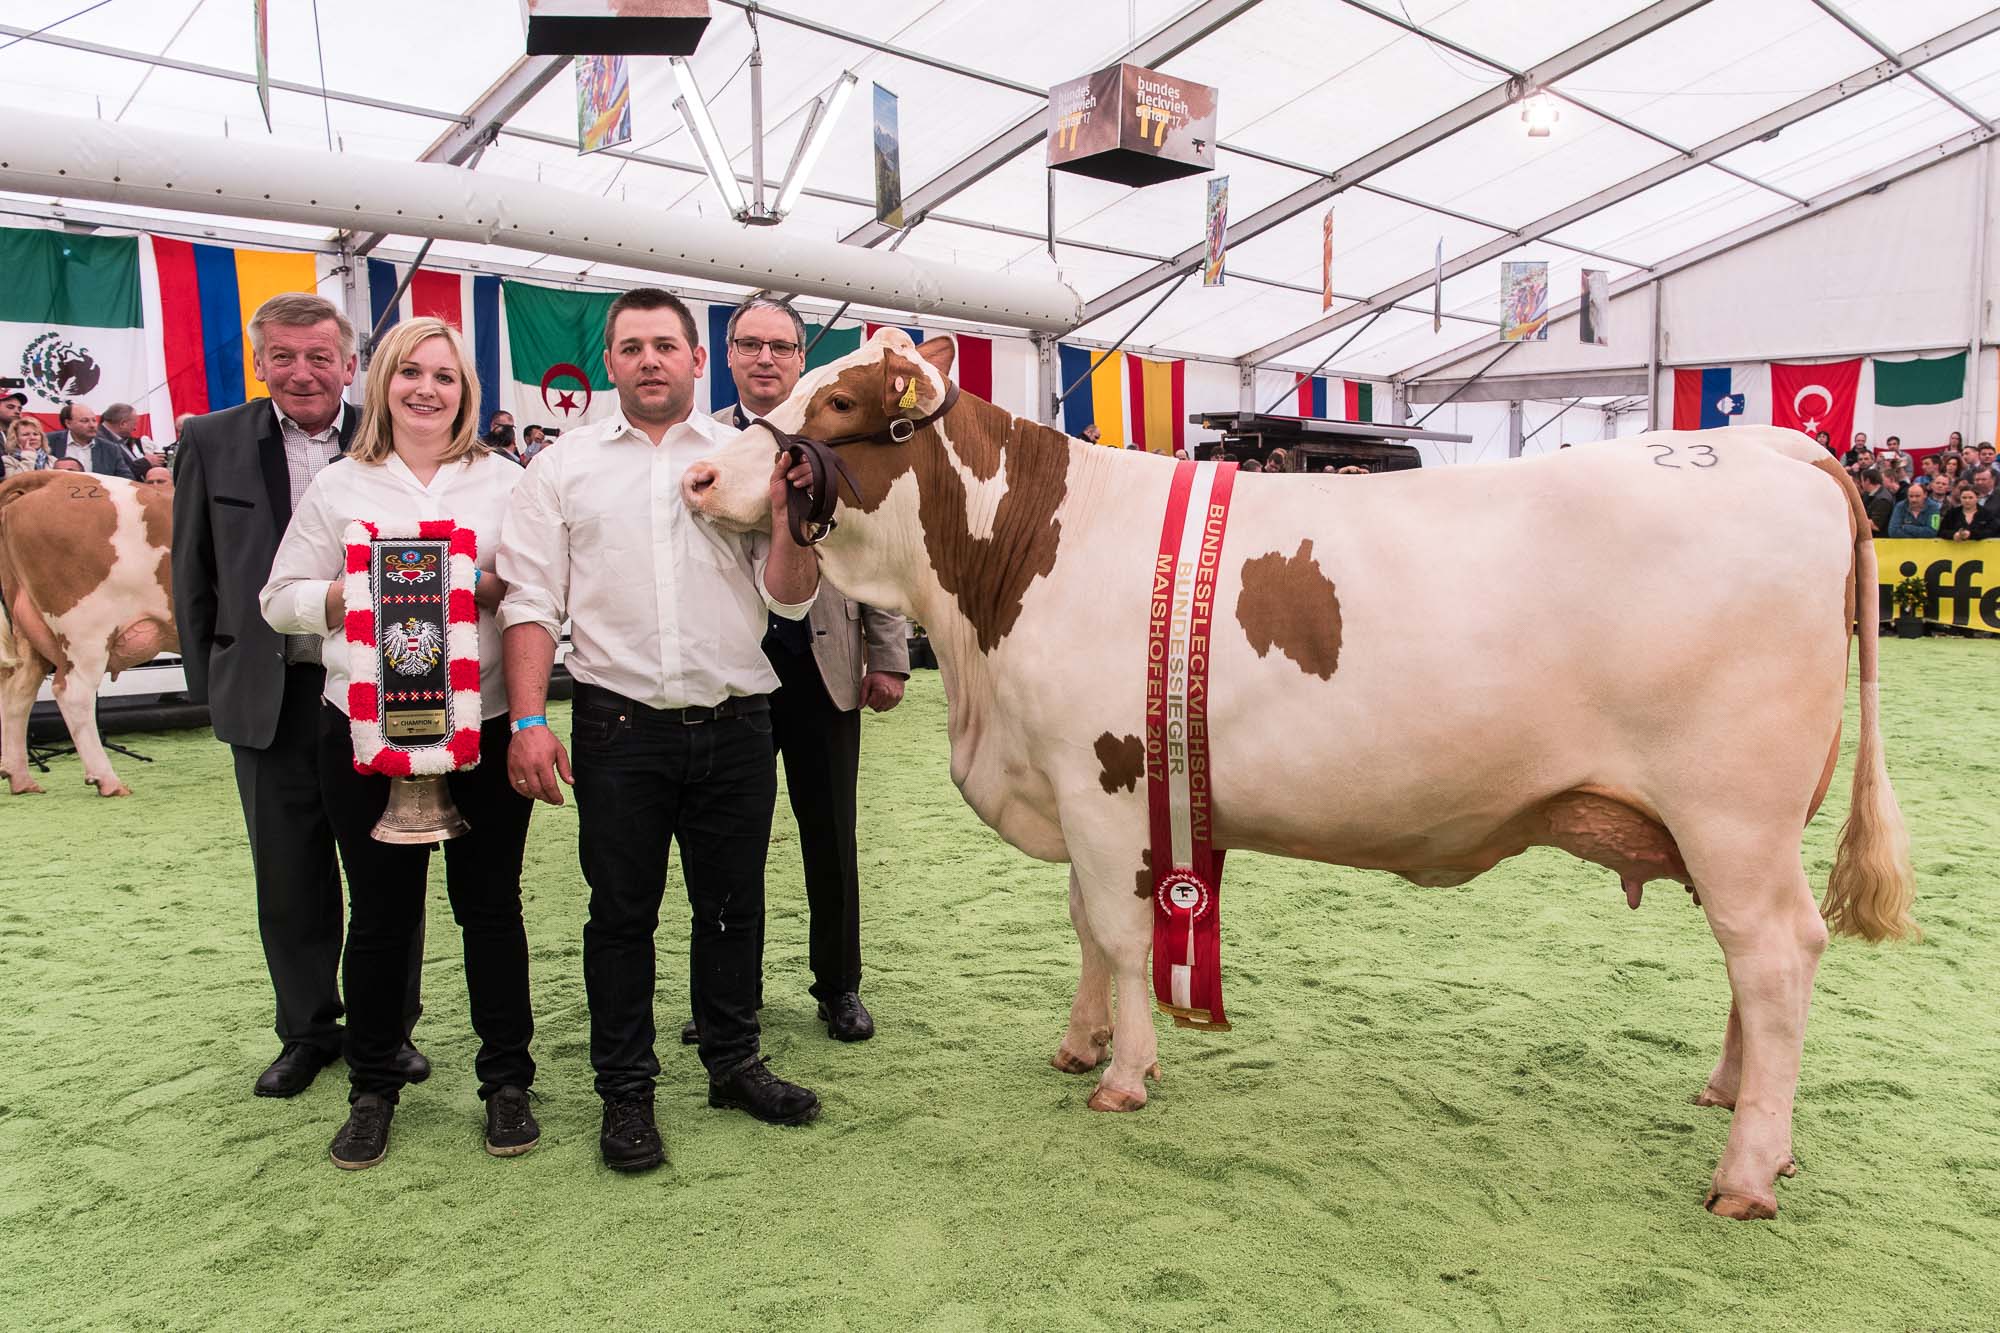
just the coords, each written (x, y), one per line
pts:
(299, 913)
(385, 894)
(821, 747)
(645, 779)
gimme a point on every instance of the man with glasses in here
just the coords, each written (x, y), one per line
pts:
(843, 655)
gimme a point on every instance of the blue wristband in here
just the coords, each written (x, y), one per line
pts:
(520, 724)
(476, 572)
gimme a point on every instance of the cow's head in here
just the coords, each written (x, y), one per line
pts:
(862, 394)
(953, 525)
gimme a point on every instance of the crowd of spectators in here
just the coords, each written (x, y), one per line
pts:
(1951, 494)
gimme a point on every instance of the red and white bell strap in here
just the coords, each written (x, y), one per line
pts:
(1187, 869)
(415, 610)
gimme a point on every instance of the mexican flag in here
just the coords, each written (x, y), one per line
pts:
(555, 356)
(70, 321)
(1921, 400)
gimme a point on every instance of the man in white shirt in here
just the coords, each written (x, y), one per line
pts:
(672, 723)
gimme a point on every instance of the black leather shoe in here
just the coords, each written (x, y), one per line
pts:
(364, 1139)
(754, 1088)
(690, 1034)
(510, 1126)
(846, 1018)
(630, 1141)
(293, 1071)
(412, 1064)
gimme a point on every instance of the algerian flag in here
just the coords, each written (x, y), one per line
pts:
(70, 325)
(555, 355)
(1920, 400)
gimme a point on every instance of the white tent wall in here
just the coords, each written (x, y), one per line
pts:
(1891, 274)
(1885, 273)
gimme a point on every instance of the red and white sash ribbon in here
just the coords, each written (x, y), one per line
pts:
(1187, 869)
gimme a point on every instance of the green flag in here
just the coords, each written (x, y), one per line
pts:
(555, 354)
(1921, 400)
(70, 325)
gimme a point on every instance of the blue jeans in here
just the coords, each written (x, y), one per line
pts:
(647, 778)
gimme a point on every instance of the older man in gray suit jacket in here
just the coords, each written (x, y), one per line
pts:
(842, 656)
(239, 474)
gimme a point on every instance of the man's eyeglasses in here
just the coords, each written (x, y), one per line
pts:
(756, 346)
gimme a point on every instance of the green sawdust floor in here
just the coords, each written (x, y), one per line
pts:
(1440, 1108)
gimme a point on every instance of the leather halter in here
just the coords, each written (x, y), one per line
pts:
(810, 511)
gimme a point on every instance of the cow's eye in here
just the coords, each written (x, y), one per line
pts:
(841, 403)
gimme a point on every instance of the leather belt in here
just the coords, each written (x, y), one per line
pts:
(741, 705)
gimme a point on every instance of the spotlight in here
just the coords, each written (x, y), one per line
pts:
(1541, 114)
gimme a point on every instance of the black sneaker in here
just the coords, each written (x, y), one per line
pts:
(754, 1088)
(364, 1139)
(510, 1126)
(629, 1140)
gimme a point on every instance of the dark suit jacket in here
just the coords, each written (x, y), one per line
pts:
(232, 500)
(110, 458)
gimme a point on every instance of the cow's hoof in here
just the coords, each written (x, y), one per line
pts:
(115, 789)
(1071, 1063)
(1740, 1208)
(1709, 1096)
(26, 789)
(1081, 1055)
(1108, 1098)
(1790, 1168)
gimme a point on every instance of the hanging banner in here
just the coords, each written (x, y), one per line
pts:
(1218, 230)
(888, 161)
(1437, 288)
(1593, 319)
(1131, 125)
(1524, 301)
(603, 103)
(1326, 261)
(260, 19)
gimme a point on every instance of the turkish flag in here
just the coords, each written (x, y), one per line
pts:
(1816, 398)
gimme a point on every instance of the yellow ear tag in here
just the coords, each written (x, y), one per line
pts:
(909, 398)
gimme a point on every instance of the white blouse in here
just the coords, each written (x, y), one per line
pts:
(472, 492)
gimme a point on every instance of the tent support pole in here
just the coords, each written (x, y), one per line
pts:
(1982, 267)
(1653, 365)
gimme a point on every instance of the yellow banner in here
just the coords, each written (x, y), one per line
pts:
(1961, 579)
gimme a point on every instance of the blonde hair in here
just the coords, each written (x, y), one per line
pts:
(374, 439)
(14, 432)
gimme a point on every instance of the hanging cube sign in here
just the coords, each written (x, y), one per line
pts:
(1133, 126)
(614, 27)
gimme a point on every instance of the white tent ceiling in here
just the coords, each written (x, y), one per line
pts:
(1307, 87)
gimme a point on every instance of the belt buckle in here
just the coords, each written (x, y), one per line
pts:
(695, 715)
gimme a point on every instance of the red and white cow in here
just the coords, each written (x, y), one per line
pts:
(85, 587)
(1636, 652)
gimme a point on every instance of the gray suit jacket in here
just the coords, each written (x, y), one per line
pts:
(232, 500)
(849, 639)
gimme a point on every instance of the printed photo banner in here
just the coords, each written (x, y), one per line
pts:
(1593, 324)
(603, 103)
(1524, 301)
(1326, 261)
(888, 160)
(413, 649)
(1217, 225)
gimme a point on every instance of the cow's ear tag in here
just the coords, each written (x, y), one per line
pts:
(909, 388)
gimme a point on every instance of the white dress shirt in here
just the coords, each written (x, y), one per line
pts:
(664, 607)
(472, 492)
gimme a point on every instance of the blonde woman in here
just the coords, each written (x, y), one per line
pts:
(27, 448)
(415, 457)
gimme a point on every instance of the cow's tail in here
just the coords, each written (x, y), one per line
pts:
(1873, 885)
